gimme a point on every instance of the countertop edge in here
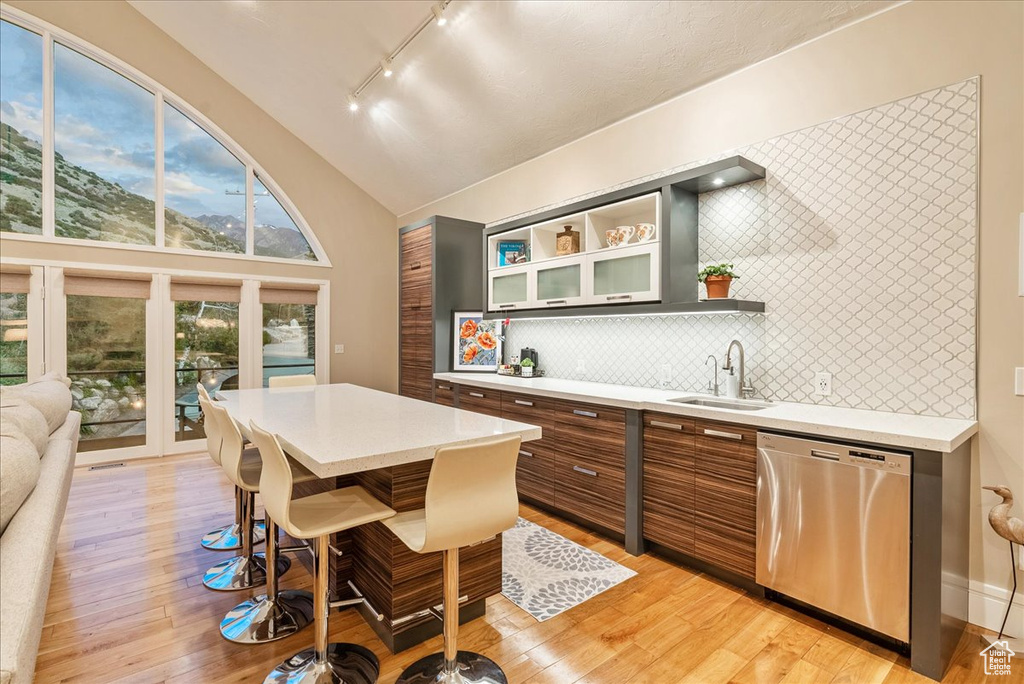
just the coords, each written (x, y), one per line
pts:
(886, 437)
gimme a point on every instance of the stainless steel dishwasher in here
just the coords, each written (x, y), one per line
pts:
(833, 529)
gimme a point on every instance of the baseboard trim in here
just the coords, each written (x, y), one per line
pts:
(988, 604)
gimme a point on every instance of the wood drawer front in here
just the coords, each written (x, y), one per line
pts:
(444, 393)
(606, 448)
(725, 523)
(480, 400)
(590, 491)
(669, 491)
(725, 457)
(535, 473)
(588, 417)
(529, 409)
(666, 426)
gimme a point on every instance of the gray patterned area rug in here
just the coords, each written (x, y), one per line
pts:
(545, 574)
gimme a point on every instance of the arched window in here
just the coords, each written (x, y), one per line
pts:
(92, 151)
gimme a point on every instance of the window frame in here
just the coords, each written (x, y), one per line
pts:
(50, 35)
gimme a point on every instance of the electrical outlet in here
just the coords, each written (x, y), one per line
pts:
(339, 349)
(666, 376)
(823, 384)
(581, 366)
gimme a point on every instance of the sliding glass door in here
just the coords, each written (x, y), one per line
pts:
(20, 325)
(289, 331)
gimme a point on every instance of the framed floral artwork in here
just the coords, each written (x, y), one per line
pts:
(477, 342)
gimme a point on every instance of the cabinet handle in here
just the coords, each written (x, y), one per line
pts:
(591, 473)
(719, 433)
(506, 306)
(555, 301)
(478, 395)
(446, 388)
(527, 454)
(523, 402)
(612, 298)
(417, 266)
(670, 426)
(585, 414)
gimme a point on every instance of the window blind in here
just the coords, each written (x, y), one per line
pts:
(14, 282)
(105, 286)
(206, 291)
(271, 293)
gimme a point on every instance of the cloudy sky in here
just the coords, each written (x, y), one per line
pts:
(105, 123)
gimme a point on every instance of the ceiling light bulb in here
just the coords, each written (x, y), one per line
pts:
(353, 104)
(385, 67)
(439, 17)
(718, 181)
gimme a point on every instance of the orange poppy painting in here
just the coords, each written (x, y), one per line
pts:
(477, 343)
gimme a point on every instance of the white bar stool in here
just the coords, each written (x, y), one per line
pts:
(292, 381)
(229, 537)
(243, 468)
(471, 497)
(316, 518)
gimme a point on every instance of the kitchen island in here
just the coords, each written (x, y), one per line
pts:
(349, 435)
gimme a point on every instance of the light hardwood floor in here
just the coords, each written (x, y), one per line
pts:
(127, 605)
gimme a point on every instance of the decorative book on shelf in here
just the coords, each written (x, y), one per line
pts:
(512, 252)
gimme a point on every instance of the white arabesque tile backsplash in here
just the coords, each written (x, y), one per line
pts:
(861, 242)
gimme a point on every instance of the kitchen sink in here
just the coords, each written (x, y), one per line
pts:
(714, 402)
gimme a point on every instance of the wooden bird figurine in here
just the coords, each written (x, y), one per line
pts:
(999, 518)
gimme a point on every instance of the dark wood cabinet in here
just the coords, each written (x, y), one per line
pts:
(535, 470)
(725, 473)
(668, 481)
(439, 270)
(590, 463)
(445, 393)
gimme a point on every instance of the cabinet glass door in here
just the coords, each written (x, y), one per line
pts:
(560, 284)
(625, 275)
(509, 289)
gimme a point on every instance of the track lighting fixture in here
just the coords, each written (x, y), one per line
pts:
(439, 17)
(385, 67)
(353, 103)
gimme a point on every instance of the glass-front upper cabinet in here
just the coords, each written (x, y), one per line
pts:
(509, 288)
(561, 283)
(624, 275)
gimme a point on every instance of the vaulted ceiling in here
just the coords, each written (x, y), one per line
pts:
(501, 83)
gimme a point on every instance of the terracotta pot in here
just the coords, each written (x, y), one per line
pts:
(718, 287)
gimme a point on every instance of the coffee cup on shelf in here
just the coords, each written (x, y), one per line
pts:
(625, 233)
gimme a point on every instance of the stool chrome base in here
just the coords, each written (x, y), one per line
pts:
(229, 538)
(261, 619)
(471, 668)
(241, 573)
(343, 664)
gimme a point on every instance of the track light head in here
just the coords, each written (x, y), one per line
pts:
(386, 68)
(439, 17)
(353, 103)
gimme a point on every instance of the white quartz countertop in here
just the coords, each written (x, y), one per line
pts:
(340, 429)
(880, 427)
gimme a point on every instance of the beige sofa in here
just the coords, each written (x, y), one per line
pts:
(38, 441)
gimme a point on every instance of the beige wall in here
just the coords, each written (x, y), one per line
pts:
(907, 50)
(356, 231)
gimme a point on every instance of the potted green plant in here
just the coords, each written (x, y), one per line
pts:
(526, 368)
(717, 278)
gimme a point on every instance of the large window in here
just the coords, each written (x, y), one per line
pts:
(21, 130)
(106, 359)
(110, 171)
(205, 349)
(13, 329)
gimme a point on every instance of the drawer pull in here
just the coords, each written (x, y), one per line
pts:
(585, 471)
(446, 388)
(669, 426)
(719, 433)
(523, 402)
(417, 266)
(527, 454)
(506, 306)
(612, 298)
(478, 395)
(585, 414)
(552, 302)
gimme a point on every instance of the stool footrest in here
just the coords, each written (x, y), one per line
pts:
(434, 611)
(358, 600)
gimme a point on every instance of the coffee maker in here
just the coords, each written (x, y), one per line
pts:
(529, 353)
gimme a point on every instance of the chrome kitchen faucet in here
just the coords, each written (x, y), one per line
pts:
(746, 391)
